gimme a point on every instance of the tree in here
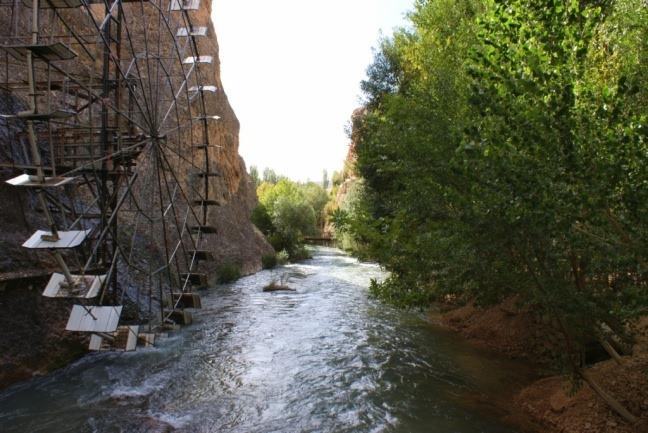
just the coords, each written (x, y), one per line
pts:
(325, 180)
(287, 212)
(502, 151)
(317, 198)
(270, 176)
(254, 175)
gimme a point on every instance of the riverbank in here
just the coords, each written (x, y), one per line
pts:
(34, 341)
(507, 329)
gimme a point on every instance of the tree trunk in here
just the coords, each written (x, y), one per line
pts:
(610, 350)
(611, 401)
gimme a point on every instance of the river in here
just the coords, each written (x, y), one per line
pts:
(326, 358)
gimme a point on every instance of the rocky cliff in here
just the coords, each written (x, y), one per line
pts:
(239, 242)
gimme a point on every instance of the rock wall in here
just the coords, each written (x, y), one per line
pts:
(238, 242)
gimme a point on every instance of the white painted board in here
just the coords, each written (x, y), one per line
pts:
(199, 59)
(68, 239)
(92, 283)
(208, 118)
(212, 89)
(147, 339)
(197, 31)
(187, 5)
(95, 342)
(131, 343)
(33, 181)
(94, 319)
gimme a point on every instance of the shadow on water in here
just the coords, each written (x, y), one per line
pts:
(325, 358)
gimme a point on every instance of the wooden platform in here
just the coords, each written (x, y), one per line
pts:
(124, 339)
(85, 286)
(185, 5)
(197, 60)
(47, 52)
(205, 203)
(183, 300)
(68, 239)
(195, 279)
(211, 89)
(179, 317)
(214, 117)
(94, 319)
(200, 255)
(57, 114)
(28, 180)
(195, 31)
(203, 229)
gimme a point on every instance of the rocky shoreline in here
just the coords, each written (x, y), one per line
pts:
(549, 402)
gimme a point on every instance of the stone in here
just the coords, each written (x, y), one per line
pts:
(559, 401)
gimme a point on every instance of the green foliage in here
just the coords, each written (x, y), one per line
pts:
(254, 175)
(340, 220)
(293, 218)
(325, 180)
(287, 212)
(337, 178)
(301, 252)
(503, 152)
(282, 257)
(268, 261)
(262, 219)
(317, 198)
(400, 292)
(269, 176)
(228, 272)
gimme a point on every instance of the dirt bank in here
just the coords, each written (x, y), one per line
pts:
(33, 340)
(549, 402)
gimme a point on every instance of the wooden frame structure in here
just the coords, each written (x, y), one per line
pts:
(115, 120)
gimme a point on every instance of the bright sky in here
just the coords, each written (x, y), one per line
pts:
(292, 70)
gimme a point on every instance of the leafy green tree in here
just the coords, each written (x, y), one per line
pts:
(502, 152)
(317, 198)
(336, 179)
(289, 211)
(262, 220)
(270, 176)
(254, 175)
(325, 179)
(538, 132)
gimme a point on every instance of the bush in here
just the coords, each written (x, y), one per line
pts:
(228, 272)
(282, 257)
(401, 293)
(287, 212)
(262, 220)
(268, 261)
(300, 252)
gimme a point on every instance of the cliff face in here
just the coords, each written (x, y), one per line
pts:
(238, 242)
(348, 184)
(33, 339)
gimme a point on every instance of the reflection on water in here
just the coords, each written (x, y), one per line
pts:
(322, 359)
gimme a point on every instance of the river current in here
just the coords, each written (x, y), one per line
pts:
(325, 358)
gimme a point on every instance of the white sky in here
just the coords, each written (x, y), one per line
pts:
(291, 70)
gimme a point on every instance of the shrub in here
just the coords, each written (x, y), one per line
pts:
(268, 261)
(300, 252)
(261, 219)
(228, 272)
(282, 257)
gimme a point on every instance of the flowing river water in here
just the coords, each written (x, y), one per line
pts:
(325, 358)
